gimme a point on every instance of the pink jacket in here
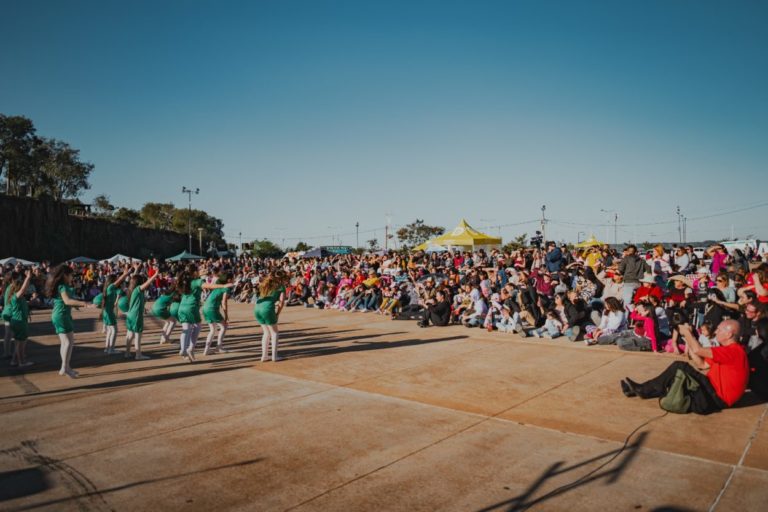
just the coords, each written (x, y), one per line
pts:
(648, 328)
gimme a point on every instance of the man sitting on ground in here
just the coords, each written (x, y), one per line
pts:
(722, 372)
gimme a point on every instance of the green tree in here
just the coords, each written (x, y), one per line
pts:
(127, 215)
(266, 249)
(102, 206)
(64, 175)
(373, 244)
(417, 233)
(302, 246)
(157, 215)
(517, 243)
(17, 140)
(213, 228)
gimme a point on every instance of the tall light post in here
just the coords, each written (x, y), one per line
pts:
(240, 244)
(189, 192)
(357, 235)
(543, 223)
(578, 236)
(615, 224)
(200, 239)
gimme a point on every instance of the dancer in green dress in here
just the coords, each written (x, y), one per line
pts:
(134, 318)
(270, 303)
(216, 313)
(108, 304)
(191, 287)
(59, 288)
(162, 309)
(8, 278)
(19, 312)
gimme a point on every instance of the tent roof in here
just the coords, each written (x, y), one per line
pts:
(462, 235)
(14, 261)
(317, 252)
(82, 259)
(591, 242)
(184, 255)
(118, 258)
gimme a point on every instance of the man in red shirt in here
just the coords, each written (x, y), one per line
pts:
(722, 372)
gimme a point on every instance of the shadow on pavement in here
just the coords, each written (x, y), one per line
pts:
(526, 499)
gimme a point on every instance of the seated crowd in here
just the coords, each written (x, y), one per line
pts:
(668, 301)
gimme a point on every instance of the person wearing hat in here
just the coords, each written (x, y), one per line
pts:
(679, 288)
(648, 287)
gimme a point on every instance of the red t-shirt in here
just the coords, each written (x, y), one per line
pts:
(729, 372)
(642, 292)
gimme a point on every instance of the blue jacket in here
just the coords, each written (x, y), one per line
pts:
(554, 260)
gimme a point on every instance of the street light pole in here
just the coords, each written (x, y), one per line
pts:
(615, 225)
(578, 236)
(189, 192)
(200, 239)
(357, 235)
(543, 223)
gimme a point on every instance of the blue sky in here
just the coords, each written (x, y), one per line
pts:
(300, 118)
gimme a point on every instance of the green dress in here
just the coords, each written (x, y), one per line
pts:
(108, 311)
(174, 310)
(189, 308)
(7, 304)
(61, 316)
(19, 318)
(97, 300)
(212, 306)
(134, 318)
(123, 303)
(160, 308)
(264, 311)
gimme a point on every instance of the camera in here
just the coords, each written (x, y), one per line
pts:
(537, 240)
(677, 317)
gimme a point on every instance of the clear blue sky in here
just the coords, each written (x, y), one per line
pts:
(302, 117)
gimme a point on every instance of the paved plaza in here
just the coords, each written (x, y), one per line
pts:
(364, 414)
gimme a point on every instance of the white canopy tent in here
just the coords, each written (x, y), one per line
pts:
(121, 258)
(16, 261)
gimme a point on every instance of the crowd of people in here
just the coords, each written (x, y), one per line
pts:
(710, 309)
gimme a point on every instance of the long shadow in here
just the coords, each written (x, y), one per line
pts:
(526, 499)
(288, 353)
(146, 379)
(33, 476)
(45, 328)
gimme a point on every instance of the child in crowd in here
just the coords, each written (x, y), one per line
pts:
(706, 339)
(508, 321)
(553, 326)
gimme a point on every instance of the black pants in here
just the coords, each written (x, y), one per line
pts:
(703, 401)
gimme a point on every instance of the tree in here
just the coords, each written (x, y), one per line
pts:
(127, 215)
(64, 175)
(516, 244)
(158, 215)
(17, 139)
(266, 249)
(102, 206)
(213, 228)
(36, 166)
(373, 244)
(302, 246)
(417, 233)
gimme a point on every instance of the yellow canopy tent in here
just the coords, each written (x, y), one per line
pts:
(462, 236)
(591, 242)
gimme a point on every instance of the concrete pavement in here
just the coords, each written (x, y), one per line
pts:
(364, 413)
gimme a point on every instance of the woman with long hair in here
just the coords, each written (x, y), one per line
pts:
(19, 314)
(109, 297)
(267, 311)
(59, 288)
(134, 318)
(214, 305)
(191, 287)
